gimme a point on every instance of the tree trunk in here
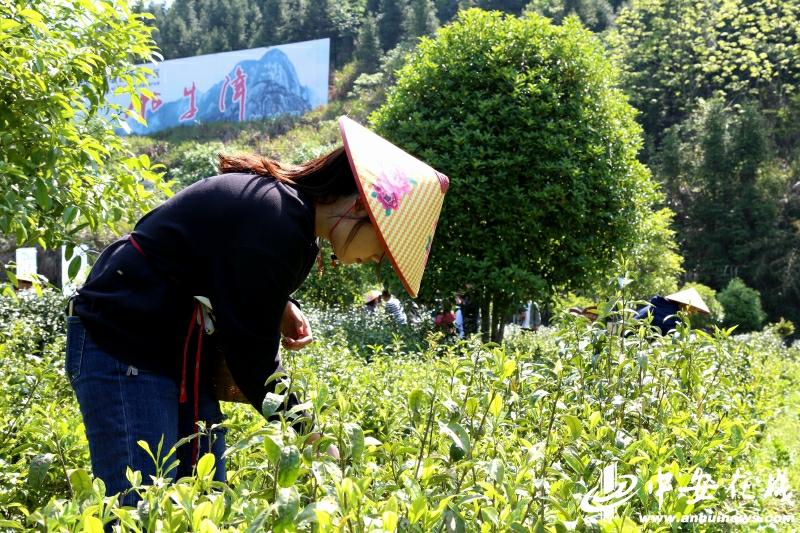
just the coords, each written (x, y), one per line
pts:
(498, 323)
(486, 332)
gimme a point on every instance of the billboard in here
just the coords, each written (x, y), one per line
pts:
(234, 86)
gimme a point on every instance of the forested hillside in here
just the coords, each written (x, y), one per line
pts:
(715, 86)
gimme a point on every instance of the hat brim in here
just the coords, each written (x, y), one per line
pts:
(424, 201)
(371, 296)
(689, 297)
(373, 220)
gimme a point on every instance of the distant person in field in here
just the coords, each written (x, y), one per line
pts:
(470, 313)
(445, 320)
(532, 318)
(212, 270)
(459, 323)
(664, 309)
(24, 283)
(371, 301)
(393, 307)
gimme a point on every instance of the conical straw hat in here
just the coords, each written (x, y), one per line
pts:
(403, 196)
(372, 295)
(691, 298)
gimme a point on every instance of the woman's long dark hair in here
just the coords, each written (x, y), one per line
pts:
(325, 178)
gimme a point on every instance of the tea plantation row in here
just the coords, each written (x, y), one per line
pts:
(440, 437)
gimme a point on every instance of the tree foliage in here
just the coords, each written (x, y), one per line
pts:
(676, 51)
(654, 262)
(368, 45)
(420, 19)
(540, 145)
(194, 27)
(596, 14)
(62, 167)
(737, 208)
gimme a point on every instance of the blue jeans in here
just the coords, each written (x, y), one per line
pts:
(122, 405)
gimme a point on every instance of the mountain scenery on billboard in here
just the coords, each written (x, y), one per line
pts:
(233, 86)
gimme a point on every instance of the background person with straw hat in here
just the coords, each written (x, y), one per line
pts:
(371, 300)
(214, 267)
(665, 308)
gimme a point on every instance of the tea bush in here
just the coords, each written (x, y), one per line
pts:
(32, 318)
(433, 437)
(370, 333)
(193, 162)
(742, 306)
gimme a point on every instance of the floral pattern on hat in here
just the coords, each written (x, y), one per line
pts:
(391, 187)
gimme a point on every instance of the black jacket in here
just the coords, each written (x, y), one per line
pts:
(243, 241)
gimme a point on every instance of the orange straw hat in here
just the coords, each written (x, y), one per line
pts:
(403, 197)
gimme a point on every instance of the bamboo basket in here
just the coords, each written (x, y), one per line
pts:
(222, 384)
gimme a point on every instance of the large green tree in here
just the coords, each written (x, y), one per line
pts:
(596, 14)
(368, 46)
(390, 22)
(540, 145)
(62, 167)
(420, 19)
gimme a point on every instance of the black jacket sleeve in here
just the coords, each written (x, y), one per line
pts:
(248, 305)
(253, 284)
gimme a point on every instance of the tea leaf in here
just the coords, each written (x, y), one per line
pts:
(288, 466)
(37, 470)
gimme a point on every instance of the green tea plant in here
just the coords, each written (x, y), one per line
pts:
(458, 436)
(33, 317)
(370, 333)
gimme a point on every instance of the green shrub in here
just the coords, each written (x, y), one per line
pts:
(193, 162)
(526, 119)
(367, 334)
(39, 318)
(742, 306)
(500, 437)
(63, 167)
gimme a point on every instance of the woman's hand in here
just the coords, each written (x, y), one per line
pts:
(295, 328)
(332, 450)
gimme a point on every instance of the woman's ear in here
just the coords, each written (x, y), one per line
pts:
(360, 209)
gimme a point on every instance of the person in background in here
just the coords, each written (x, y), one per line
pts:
(393, 307)
(446, 320)
(459, 316)
(533, 318)
(664, 309)
(24, 283)
(371, 301)
(470, 313)
(414, 313)
(665, 313)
